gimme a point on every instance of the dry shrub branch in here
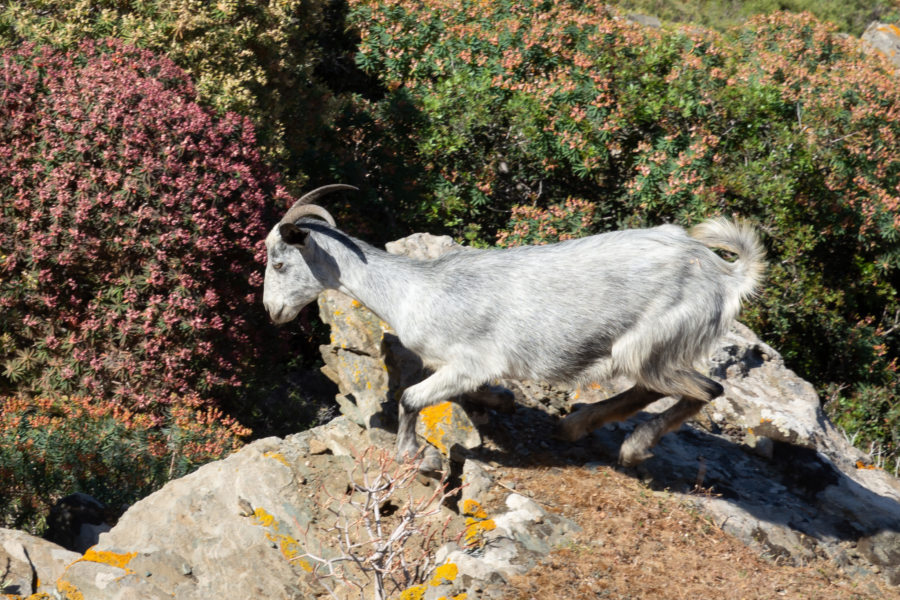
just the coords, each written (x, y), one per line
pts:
(385, 527)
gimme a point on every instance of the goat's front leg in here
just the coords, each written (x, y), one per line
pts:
(443, 384)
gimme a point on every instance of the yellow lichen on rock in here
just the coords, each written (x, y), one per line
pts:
(445, 573)
(263, 518)
(69, 591)
(416, 592)
(435, 419)
(472, 508)
(114, 559)
(277, 456)
(289, 547)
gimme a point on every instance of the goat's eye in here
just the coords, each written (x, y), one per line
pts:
(278, 266)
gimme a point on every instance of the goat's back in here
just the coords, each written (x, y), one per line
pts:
(629, 302)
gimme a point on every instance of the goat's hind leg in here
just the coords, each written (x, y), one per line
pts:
(443, 384)
(617, 408)
(695, 391)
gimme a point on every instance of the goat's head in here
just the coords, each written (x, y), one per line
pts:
(290, 284)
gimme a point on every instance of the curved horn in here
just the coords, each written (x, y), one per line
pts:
(310, 197)
(307, 210)
(303, 206)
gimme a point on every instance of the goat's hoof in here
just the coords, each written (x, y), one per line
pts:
(570, 429)
(432, 464)
(631, 455)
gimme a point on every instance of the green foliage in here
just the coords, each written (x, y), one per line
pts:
(515, 107)
(253, 58)
(52, 447)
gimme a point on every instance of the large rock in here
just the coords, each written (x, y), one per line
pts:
(30, 565)
(239, 528)
(372, 368)
(883, 39)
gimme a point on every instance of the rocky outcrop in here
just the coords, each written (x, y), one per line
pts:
(241, 528)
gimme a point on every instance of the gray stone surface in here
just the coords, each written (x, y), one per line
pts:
(30, 565)
(883, 39)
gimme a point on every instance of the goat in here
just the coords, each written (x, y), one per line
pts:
(641, 303)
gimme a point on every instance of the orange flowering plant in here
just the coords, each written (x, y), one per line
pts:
(514, 108)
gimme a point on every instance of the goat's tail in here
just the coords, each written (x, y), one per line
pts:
(742, 239)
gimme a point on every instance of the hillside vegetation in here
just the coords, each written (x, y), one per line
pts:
(139, 177)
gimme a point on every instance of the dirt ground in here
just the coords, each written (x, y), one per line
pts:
(637, 543)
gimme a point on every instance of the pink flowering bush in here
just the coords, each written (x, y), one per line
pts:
(130, 239)
(131, 262)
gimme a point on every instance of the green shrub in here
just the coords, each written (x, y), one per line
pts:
(254, 58)
(52, 447)
(526, 104)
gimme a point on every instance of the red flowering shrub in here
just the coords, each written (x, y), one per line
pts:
(558, 222)
(131, 231)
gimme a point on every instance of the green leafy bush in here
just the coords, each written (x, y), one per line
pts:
(254, 58)
(526, 104)
(51, 447)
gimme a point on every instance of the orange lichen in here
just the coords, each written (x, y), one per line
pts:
(69, 591)
(861, 465)
(114, 559)
(416, 592)
(445, 573)
(277, 456)
(472, 508)
(290, 547)
(438, 420)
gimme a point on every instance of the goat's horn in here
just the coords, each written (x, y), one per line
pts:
(310, 197)
(303, 206)
(307, 210)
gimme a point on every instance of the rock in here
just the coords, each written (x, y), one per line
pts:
(766, 399)
(448, 428)
(778, 474)
(30, 565)
(365, 358)
(422, 246)
(240, 528)
(476, 481)
(883, 39)
(645, 20)
(508, 544)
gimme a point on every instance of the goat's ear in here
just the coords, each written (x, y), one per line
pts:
(293, 235)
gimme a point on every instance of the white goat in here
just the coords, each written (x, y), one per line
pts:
(642, 303)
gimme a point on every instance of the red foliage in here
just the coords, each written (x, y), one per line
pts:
(131, 232)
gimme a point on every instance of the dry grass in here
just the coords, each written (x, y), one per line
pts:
(641, 544)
